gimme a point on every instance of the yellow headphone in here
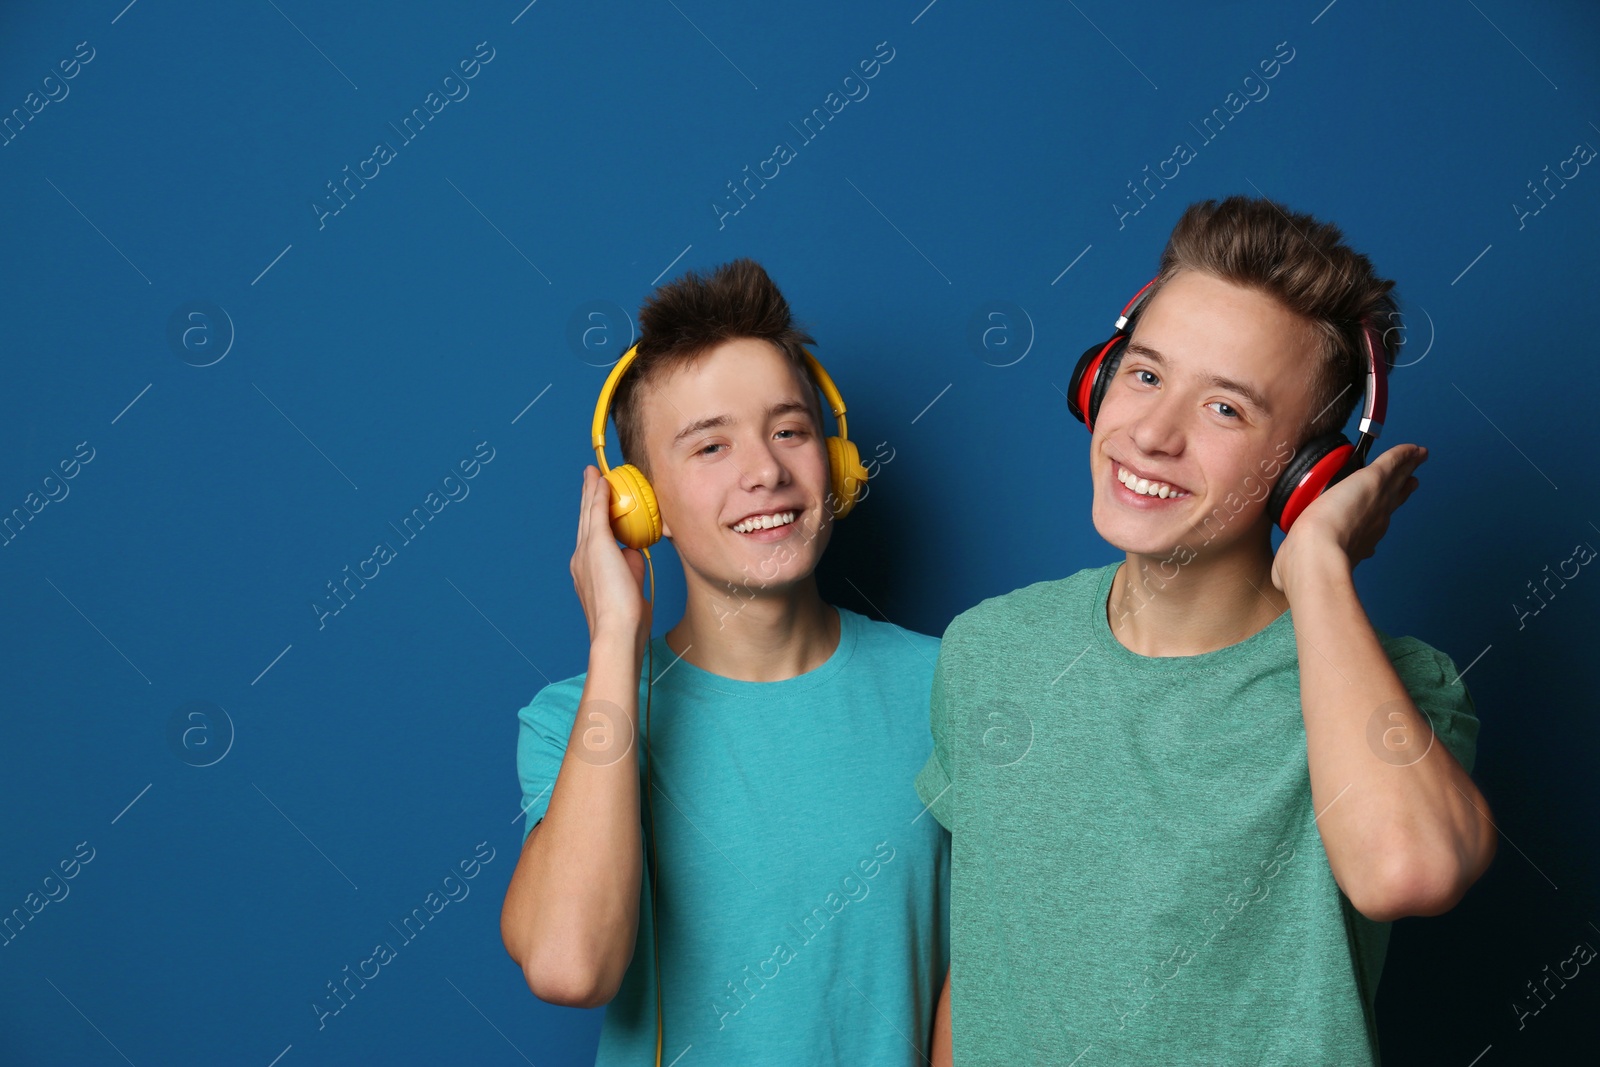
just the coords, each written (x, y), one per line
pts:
(635, 516)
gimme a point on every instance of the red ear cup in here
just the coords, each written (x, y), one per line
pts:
(1318, 465)
(1090, 378)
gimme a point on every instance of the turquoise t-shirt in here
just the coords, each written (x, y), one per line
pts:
(804, 892)
(1137, 876)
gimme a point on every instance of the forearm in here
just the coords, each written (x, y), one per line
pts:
(1405, 830)
(572, 910)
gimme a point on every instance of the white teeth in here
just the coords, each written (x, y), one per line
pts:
(764, 522)
(1145, 487)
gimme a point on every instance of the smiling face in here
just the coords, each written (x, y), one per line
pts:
(1207, 405)
(740, 468)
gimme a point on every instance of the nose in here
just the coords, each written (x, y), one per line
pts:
(1158, 426)
(762, 467)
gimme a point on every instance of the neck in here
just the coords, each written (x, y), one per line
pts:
(1211, 602)
(759, 636)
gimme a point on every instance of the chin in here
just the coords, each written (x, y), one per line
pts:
(1140, 536)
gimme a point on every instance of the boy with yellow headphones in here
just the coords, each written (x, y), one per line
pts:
(1183, 820)
(720, 843)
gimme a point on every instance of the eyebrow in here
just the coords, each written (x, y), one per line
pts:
(784, 407)
(1244, 389)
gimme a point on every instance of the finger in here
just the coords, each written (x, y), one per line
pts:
(584, 508)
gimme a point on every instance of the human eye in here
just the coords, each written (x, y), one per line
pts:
(706, 451)
(1146, 370)
(1228, 411)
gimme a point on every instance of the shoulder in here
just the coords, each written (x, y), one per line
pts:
(1414, 657)
(1436, 687)
(878, 639)
(554, 707)
(1042, 604)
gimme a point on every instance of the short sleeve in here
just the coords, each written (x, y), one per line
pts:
(934, 780)
(545, 724)
(1436, 688)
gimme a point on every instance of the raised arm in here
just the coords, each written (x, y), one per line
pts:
(571, 913)
(1405, 829)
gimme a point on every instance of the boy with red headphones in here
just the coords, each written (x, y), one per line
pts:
(1190, 789)
(719, 842)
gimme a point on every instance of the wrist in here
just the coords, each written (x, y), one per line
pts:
(1326, 566)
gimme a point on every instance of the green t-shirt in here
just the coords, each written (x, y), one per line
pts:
(1136, 876)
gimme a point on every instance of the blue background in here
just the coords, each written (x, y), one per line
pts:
(351, 361)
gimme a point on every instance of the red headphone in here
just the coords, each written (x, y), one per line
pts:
(1317, 464)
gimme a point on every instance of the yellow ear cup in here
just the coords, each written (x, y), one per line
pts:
(635, 518)
(848, 476)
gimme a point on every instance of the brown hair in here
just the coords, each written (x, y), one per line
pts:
(1304, 264)
(684, 319)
